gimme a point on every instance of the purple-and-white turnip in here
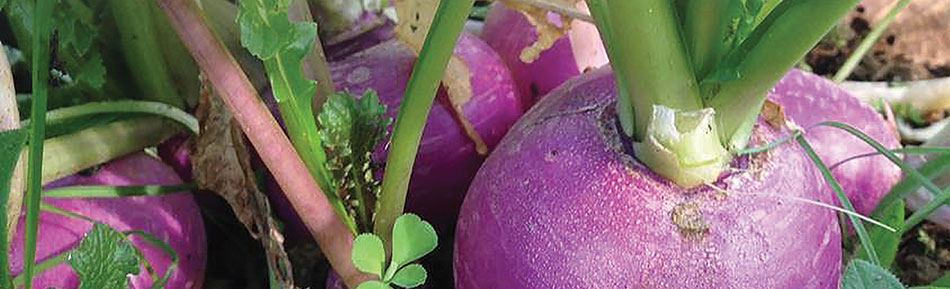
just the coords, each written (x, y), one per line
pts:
(447, 158)
(509, 33)
(175, 219)
(585, 213)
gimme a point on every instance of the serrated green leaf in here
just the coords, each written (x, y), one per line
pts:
(861, 274)
(368, 254)
(928, 287)
(351, 129)
(104, 259)
(373, 285)
(885, 242)
(410, 276)
(412, 239)
(11, 144)
(268, 33)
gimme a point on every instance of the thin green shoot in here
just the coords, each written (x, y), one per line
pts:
(165, 247)
(941, 196)
(856, 222)
(414, 110)
(40, 80)
(45, 265)
(905, 187)
(67, 114)
(769, 146)
(116, 191)
(868, 42)
(906, 150)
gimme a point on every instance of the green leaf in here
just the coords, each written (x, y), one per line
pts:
(76, 26)
(104, 259)
(886, 242)
(412, 239)
(11, 144)
(374, 285)
(942, 282)
(861, 274)
(268, 33)
(410, 276)
(351, 130)
(369, 254)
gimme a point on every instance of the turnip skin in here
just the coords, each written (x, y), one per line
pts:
(809, 99)
(557, 206)
(175, 219)
(379, 33)
(447, 159)
(509, 32)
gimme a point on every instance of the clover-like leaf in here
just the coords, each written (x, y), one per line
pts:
(368, 254)
(410, 276)
(864, 275)
(374, 285)
(412, 239)
(104, 259)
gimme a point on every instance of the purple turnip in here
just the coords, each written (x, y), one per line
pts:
(175, 219)
(447, 158)
(509, 33)
(583, 213)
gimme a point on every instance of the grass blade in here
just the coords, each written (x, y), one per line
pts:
(858, 225)
(40, 77)
(940, 197)
(115, 192)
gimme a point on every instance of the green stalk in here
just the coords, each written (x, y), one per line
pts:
(678, 138)
(182, 68)
(139, 40)
(47, 264)
(706, 25)
(116, 192)
(648, 46)
(40, 78)
(790, 31)
(420, 93)
(599, 9)
(69, 154)
(71, 113)
(868, 41)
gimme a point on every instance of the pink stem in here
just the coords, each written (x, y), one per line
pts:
(274, 147)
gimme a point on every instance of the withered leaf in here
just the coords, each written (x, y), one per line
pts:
(222, 163)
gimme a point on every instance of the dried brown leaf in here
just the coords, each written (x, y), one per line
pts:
(222, 163)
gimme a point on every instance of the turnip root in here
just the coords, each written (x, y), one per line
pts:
(509, 33)
(175, 219)
(447, 158)
(807, 100)
(562, 203)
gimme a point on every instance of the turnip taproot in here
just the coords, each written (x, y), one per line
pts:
(583, 213)
(447, 158)
(175, 219)
(510, 33)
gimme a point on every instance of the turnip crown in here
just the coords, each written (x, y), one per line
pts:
(693, 55)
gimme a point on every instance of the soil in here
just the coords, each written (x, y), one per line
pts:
(924, 254)
(887, 60)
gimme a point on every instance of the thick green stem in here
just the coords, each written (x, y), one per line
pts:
(143, 51)
(789, 32)
(868, 41)
(659, 100)
(650, 50)
(414, 111)
(182, 69)
(69, 154)
(72, 113)
(706, 27)
(40, 78)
